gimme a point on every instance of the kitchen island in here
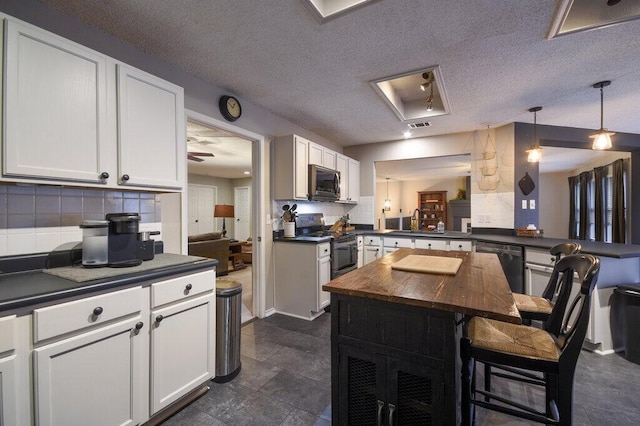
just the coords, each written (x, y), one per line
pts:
(394, 336)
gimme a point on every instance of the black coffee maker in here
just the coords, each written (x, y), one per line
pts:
(123, 239)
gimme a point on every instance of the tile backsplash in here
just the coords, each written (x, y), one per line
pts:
(36, 219)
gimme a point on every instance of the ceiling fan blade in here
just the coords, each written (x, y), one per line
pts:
(194, 158)
(201, 154)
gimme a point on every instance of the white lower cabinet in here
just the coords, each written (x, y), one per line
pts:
(182, 337)
(88, 362)
(432, 244)
(8, 401)
(301, 270)
(392, 244)
(360, 251)
(372, 249)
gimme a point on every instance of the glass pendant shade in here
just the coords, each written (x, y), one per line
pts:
(387, 201)
(534, 154)
(602, 139)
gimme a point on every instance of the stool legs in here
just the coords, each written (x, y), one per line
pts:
(466, 381)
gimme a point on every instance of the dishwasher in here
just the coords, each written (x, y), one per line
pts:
(512, 261)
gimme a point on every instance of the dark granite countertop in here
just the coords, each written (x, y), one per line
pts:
(21, 291)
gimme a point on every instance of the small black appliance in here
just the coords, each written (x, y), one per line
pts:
(123, 239)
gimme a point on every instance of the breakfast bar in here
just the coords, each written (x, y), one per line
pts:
(395, 333)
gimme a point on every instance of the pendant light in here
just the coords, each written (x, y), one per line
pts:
(602, 138)
(535, 152)
(387, 201)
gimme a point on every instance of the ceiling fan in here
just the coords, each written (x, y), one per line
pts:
(195, 156)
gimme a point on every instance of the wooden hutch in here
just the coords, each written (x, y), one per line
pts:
(433, 208)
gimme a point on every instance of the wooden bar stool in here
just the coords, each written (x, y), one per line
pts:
(536, 350)
(539, 308)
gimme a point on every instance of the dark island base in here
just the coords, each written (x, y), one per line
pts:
(393, 363)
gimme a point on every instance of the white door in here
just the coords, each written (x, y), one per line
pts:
(371, 254)
(324, 276)
(102, 369)
(242, 222)
(201, 202)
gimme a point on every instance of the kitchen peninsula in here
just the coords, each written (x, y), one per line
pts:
(394, 336)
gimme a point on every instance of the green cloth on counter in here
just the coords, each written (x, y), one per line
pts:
(81, 274)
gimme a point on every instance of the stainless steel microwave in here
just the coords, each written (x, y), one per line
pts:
(324, 183)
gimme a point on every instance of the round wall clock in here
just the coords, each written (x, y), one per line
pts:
(230, 108)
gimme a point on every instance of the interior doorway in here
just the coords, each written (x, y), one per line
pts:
(222, 160)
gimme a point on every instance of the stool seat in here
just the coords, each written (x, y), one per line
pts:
(522, 340)
(526, 303)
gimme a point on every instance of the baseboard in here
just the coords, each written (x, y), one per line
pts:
(269, 312)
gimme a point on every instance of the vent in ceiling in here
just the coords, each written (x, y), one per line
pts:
(421, 125)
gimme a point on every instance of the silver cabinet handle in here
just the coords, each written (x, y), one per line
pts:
(380, 407)
(392, 409)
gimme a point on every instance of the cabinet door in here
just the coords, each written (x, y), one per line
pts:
(56, 123)
(361, 388)
(371, 254)
(415, 392)
(94, 378)
(8, 403)
(329, 158)
(182, 349)
(301, 164)
(316, 155)
(151, 131)
(342, 165)
(324, 276)
(354, 181)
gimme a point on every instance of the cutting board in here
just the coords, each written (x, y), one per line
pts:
(428, 264)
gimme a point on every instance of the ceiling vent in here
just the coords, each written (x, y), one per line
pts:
(421, 125)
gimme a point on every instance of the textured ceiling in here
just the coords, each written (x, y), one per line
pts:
(494, 57)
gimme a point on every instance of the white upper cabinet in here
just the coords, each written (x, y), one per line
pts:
(150, 130)
(329, 158)
(56, 108)
(316, 156)
(70, 120)
(349, 178)
(290, 168)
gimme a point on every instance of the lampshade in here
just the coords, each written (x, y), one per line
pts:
(223, 210)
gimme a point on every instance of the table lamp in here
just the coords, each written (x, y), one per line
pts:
(223, 211)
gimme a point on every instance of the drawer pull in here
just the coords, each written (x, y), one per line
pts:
(125, 178)
(97, 311)
(188, 287)
(139, 326)
(159, 319)
(104, 175)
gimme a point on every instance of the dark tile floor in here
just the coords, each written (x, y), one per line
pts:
(285, 380)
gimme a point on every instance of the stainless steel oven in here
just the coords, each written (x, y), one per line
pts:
(344, 254)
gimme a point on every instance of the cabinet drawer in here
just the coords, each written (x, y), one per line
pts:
(540, 257)
(324, 250)
(372, 241)
(181, 288)
(7, 333)
(71, 316)
(434, 244)
(460, 245)
(398, 242)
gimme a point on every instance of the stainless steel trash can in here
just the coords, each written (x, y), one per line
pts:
(228, 322)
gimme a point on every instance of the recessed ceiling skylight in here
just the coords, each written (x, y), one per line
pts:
(413, 97)
(573, 16)
(324, 10)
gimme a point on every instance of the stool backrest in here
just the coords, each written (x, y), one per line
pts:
(559, 251)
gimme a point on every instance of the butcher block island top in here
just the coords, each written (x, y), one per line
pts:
(478, 288)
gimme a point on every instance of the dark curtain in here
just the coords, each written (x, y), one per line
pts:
(600, 202)
(584, 206)
(618, 225)
(573, 181)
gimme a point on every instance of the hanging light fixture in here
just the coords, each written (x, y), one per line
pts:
(428, 84)
(602, 138)
(387, 201)
(535, 152)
